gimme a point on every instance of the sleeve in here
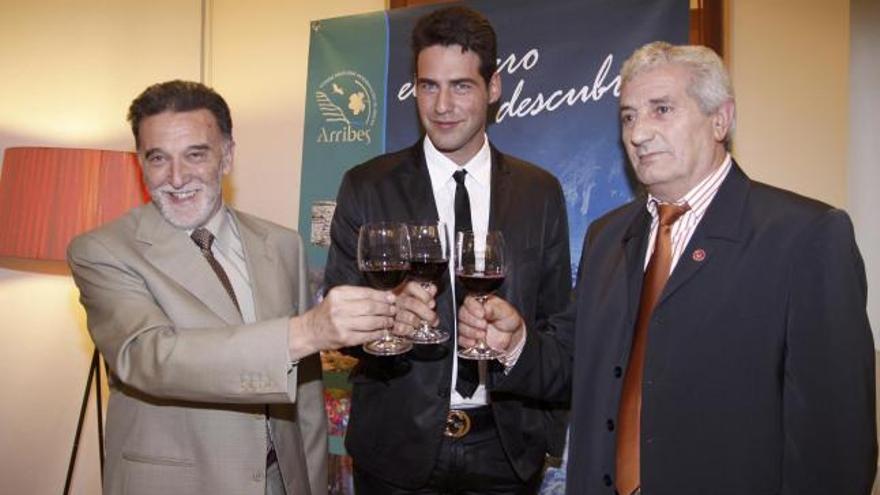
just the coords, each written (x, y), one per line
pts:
(147, 351)
(828, 377)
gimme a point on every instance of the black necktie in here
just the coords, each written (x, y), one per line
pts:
(204, 239)
(462, 203)
(468, 375)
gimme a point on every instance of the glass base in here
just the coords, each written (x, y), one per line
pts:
(479, 353)
(426, 335)
(389, 346)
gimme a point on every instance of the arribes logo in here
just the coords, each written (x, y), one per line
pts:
(348, 105)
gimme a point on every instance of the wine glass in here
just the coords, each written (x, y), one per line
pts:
(429, 260)
(479, 267)
(383, 257)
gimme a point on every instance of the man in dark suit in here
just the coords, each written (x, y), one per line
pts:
(415, 427)
(215, 382)
(719, 337)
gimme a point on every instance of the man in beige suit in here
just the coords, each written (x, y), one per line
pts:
(215, 382)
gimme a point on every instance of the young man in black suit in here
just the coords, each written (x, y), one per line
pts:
(416, 427)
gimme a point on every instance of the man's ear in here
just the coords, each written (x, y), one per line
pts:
(494, 88)
(722, 119)
(228, 156)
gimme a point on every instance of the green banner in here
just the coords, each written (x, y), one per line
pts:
(344, 118)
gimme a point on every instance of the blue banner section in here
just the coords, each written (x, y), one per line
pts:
(559, 62)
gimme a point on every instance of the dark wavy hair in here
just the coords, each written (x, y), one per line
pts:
(461, 26)
(179, 96)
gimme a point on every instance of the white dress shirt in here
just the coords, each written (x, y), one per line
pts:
(228, 250)
(478, 184)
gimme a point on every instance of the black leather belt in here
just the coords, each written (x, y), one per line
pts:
(461, 422)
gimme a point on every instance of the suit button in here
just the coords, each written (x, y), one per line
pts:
(607, 480)
(258, 475)
(610, 424)
(618, 372)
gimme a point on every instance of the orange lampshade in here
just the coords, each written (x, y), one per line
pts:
(50, 195)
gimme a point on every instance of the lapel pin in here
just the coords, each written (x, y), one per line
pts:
(698, 255)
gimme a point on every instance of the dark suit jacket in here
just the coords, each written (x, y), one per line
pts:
(759, 369)
(399, 404)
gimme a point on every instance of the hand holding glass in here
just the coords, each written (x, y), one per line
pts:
(479, 267)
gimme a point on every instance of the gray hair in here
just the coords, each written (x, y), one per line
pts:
(710, 84)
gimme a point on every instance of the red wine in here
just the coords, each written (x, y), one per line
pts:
(478, 284)
(385, 276)
(427, 271)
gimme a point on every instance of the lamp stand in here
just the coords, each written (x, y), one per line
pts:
(94, 371)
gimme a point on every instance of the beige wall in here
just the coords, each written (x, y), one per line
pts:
(260, 50)
(789, 60)
(69, 70)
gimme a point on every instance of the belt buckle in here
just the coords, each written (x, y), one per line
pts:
(458, 424)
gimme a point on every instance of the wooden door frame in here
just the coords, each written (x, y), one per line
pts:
(706, 20)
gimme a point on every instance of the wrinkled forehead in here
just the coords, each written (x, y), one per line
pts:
(173, 130)
(662, 82)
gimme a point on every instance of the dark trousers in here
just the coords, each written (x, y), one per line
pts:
(473, 465)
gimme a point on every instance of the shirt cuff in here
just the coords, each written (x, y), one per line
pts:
(509, 359)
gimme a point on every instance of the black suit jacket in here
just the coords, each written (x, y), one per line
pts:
(759, 369)
(399, 404)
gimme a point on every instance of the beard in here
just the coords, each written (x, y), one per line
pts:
(189, 207)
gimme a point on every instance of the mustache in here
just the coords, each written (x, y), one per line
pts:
(645, 151)
(194, 185)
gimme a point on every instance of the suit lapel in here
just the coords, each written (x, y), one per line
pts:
(635, 244)
(174, 254)
(720, 226)
(499, 192)
(261, 265)
(416, 186)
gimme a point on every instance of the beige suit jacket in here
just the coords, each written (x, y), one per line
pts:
(190, 383)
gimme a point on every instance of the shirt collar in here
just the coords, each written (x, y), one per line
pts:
(221, 225)
(706, 188)
(441, 168)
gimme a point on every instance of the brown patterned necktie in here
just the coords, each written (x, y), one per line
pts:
(629, 415)
(204, 239)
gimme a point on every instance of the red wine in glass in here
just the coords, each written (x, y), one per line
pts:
(385, 276)
(481, 285)
(428, 264)
(480, 268)
(383, 254)
(428, 271)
